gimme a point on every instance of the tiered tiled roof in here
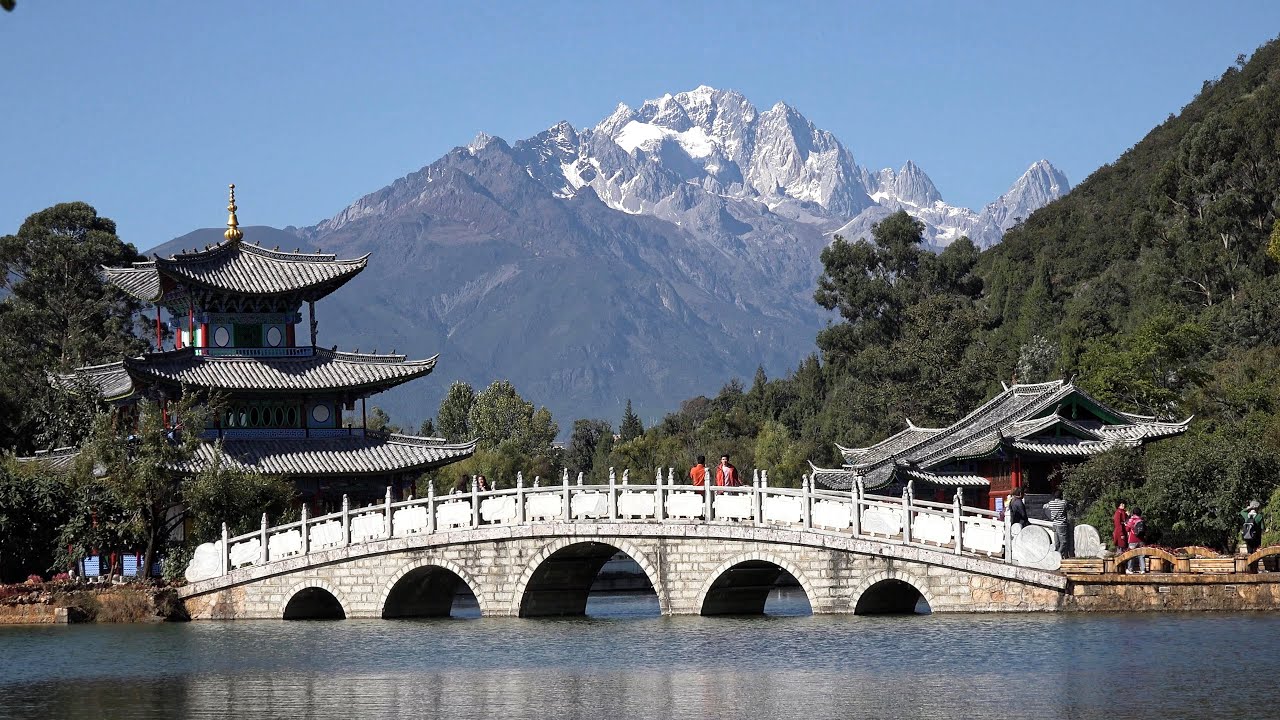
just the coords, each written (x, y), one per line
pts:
(239, 268)
(322, 370)
(1014, 418)
(369, 454)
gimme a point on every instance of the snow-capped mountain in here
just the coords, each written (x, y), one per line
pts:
(655, 255)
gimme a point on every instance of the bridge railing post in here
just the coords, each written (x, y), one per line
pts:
(855, 489)
(225, 560)
(659, 509)
(567, 513)
(346, 520)
(959, 520)
(431, 508)
(706, 495)
(807, 498)
(906, 513)
(520, 498)
(613, 494)
(386, 525)
(1008, 534)
(475, 504)
(755, 498)
(302, 527)
(262, 557)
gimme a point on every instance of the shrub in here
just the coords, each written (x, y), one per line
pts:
(124, 605)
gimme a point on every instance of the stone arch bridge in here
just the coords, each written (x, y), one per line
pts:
(536, 551)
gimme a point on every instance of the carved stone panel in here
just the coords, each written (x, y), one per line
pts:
(732, 507)
(368, 526)
(832, 515)
(783, 509)
(1033, 547)
(685, 504)
(409, 521)
(982, 535)
(636, 505)
(881, 521)
(206, 562)
(285, 544)
(544, 506)
(452, 514)
(1088, 543)
(247, 552)
(498, 509)
(935, 529)
(590, 504)
(326, 535)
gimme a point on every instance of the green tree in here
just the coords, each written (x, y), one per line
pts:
(1149, 369)
(140, 468)
(225, 493)
(586, 437)
(631, 427)
(452, 417)
(58, 313)
(34, 505)
(499, 414)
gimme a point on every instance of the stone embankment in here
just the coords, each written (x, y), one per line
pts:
(69, 602)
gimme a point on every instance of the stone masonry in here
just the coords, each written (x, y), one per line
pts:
(682, 561)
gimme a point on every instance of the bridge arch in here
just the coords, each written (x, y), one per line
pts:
(314, 599)
(722, 597)
(593, 558)
(438, 587)
(890, 592)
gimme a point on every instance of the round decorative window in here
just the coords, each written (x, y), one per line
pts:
(277, 415)
(221, 336)
(254, 420)
(320, 413)
(292, 417)
(273, 337)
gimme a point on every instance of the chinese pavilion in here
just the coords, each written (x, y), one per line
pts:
(237, 308)
(1019, 438)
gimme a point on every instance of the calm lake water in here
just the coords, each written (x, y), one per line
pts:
(625, 661)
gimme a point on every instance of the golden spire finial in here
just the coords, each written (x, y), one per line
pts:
(233, 233)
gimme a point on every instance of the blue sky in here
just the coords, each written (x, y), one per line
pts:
(148, 109)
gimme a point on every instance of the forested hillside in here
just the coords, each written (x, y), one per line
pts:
(1153, 283)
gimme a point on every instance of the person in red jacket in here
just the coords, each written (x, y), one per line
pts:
(1119, 535)
(698, 473)
(726, 473)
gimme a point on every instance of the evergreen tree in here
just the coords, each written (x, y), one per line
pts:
(452, 417)
(631, 427)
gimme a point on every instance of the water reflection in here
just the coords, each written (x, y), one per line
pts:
(625, 661)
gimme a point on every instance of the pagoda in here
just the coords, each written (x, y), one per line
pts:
(237, 310)
(1020, 438)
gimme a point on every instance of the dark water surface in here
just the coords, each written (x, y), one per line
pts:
(626, 662)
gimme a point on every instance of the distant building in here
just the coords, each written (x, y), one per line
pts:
(238, 311)
(1016, 439)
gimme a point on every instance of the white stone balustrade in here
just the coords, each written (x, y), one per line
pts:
(953, 527)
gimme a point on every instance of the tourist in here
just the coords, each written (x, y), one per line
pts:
(1251, 528)
(1136, 528)
(698, 473)
(726, 473)
(482, 484)
(1056, 509)
(1119, 535)
(463, 485)
(1018, 509)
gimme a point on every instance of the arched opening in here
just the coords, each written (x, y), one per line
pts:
(430, 591)
(756, 587)
(589, 578)
(314, 603)
(892, 597)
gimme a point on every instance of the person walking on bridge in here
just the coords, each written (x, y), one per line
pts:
(1119, 535)
(1056, 509)
(726, 473)
(698, 473)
